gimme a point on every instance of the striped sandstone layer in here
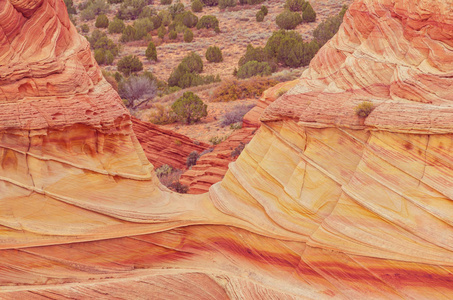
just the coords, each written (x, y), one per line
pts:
(320, 204)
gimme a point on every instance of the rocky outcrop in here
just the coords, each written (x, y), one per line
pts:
(163, 146)
(212, 166)
(320, 204)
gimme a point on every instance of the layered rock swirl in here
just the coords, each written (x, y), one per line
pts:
(320, 204)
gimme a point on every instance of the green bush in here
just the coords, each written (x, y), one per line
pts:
(147, 12)
(102, 21)
(131, 9)
(258, 54)
(142, 28)
(288, 20)
(210, 2)
(231, 90)
(295, 5)
(187, 19)
(151, 52)
(188, 35)
(116, 26)
(84, 28)
(328, 28)
(115, 1)
(99, 40)
(193, 62)
(264, 10)
(213, 54)
(129, 64)
(185, 72)
(156, 20)
(254, 68)
(161, 31)
(197, 6)
(189, 108)
(103, 57)
(166, 2)
(165, 17)
(227, 3)
(94, 8)
(208, 21)
(309, 14)
(176, 9)
(172, 35)
(260, 16)
(128, 34)
(364, 108)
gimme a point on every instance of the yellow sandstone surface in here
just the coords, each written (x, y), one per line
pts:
(320, 204)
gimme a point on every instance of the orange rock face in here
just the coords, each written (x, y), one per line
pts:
(320, 204)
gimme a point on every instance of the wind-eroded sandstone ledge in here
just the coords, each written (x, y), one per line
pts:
(320, 204)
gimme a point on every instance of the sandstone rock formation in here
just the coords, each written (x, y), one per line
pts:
(164, 146)
(320, 204)
(212, 166)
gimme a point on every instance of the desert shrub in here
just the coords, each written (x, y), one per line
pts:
(231, 90)
(137, 88)
(257, 54)
(131, 9)
(207, 21)
(188, 35)
(70, 6)
(129, 64)
(364, 108)
(227, 3)
(189, 108)
(115, 1)
(172, 35)
(187, 19)
(147, 12)
(213, 54)
(254, 68)
(197, 6)
(165, 17)
(161, 31)
(215, 140)
(163, 170)
(235, 115)
(191, 64)
(264, 10)
(179, 187)
(288, 20)
(151, 51)
(289, 49)
(328, 28)
(162, 115)
(84, 28)
(260, 16)
(309, 14)
(128, 34)
(192, 159)
(116, 26)
(295, 5)
(217, 29)
(176, 9)
(250, 2)
(156, 20)
(93, 8)
(166, 2)
(238, 150)
(102, 21)
(103, 57)
(142, 28)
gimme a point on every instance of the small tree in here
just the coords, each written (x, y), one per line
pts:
(197, 6)
(161, 31)
(208, 21)
(260, 16)
(85, 28)
(172, 35)
(189, 108)
(309, 14)
(288, 20)
(116, 26)
(227, 3)
(151, 51)
(129, 64)
(188, 35)
(102, 21)
(264, 10)
(128, 34)
(295, 5)
(213, 54)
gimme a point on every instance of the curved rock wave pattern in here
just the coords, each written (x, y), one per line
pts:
(320, 204)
